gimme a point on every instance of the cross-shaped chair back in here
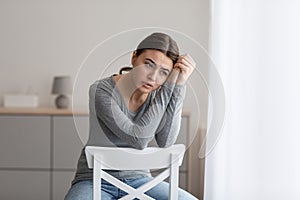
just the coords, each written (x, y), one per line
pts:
(116, 158)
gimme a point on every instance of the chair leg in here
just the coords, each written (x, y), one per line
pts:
(97, 178)
(174, 177)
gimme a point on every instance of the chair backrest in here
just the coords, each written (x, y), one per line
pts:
(117, 158)
(149, 158)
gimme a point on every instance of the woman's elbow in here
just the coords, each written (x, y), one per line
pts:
(141, 146)
(160, 145)
(165, 144)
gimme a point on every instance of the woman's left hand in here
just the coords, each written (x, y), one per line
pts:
(185, 65)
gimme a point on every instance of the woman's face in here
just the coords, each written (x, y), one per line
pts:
(150, 70)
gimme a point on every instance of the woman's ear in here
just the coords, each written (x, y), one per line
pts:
(134, 57)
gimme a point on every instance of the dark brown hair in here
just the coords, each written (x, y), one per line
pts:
(157, 41)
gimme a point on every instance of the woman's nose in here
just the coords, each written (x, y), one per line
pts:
(152, 75)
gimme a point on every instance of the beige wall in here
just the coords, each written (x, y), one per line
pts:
(41, 39)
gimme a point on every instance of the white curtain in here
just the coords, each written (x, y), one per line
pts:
(255, 45)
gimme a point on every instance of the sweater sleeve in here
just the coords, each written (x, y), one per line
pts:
(139, 133)
(169, 127)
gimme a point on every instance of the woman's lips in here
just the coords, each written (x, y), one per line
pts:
(147, 85)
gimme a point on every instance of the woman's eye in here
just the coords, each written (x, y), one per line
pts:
(149, 64)
(164, 73)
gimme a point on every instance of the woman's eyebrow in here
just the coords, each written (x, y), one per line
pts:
(164, 68)
(149, 59)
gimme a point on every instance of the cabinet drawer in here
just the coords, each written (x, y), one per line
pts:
(67, 144)
(24, 142)
(33, 185)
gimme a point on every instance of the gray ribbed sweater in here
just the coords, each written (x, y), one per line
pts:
(113, 124)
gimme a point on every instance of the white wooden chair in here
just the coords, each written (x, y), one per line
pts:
(101, 158)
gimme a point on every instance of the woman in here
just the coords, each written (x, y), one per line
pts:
(129, 110)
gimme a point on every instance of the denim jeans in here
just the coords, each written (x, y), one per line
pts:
(83, 190)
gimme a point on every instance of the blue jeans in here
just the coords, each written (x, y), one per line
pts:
(83, 190)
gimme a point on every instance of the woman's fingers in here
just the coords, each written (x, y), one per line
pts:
(185, 62)
(187, 59)
(186, 65)
(183, 68)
